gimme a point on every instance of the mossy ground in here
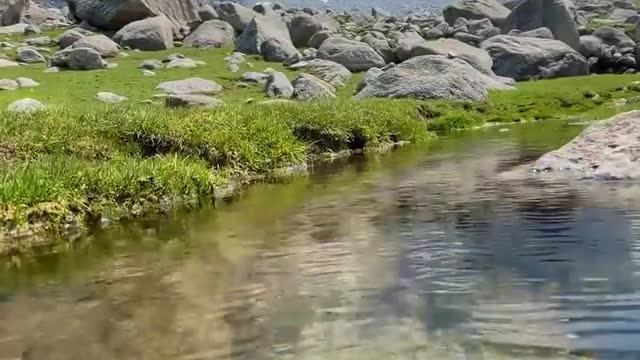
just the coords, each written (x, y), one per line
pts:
(82, 161)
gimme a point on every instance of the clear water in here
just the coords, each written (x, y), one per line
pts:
(439, 252)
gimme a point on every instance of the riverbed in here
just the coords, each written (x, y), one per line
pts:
(445, 251)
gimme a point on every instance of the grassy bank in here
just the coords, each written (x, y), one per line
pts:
(63, 169)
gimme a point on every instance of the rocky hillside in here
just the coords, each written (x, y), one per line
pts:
(463, 52)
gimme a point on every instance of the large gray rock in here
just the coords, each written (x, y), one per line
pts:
(354, 55)
(274, 49)
(29, 56)
(369, 77)
(106, 47)
(409, 44)
(235, 14)
(591, 46)
(613, 37)
(151, 34)
(190, 86)
(78, 59)
(432, 77)
(476, 10)
(606, 150)
(11, 11)
(211, 34)
(186, 100)
(304, 26)
(329, 71)
(380, 44)
(556, 15)
(278, 86)
(523, 58)
(476, 57)
(25, 106)
(260, 29)
(68, 37)
(308, 87)
(114, 14)
(542, 33)
(318, 38)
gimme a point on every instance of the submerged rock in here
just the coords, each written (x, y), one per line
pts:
(606, 150)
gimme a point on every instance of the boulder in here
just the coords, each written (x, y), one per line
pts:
(476, 57)
(78, 59)
(591, 46)
(475, 10)
(152, 64)
(261, 29)
(25, 106)
(318, 38)
(24, 82)
(100, 43)
(542, 33)
(255, 77)
(614, 37)
(110, 98)
(207, 12)
(186, 100)
(329, 71)
(151, 34)
(432, 77)
(68, 37)
(274, 49)
(278, 86)
(606, 150)
(304, 26)
(236, 15)
(369, 77)
(211, 34)
(190, 86)
(354, 55)
(8, 85)
(380, 44)
(115, 14)
(409, 44)
(29, 56)
(556, 15)
(11, 11)
(523, 58)
(308, 87)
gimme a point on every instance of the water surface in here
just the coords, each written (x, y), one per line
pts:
(436, 252)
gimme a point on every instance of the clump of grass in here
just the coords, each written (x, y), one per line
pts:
(458, 119)
(71, 167)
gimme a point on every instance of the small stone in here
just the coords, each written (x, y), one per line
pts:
(39, 41)
(32, 29)
(123, 54)
(190, 86)
(26, 106)
(8, 84)
(53, 69)
(146, 72)
(182, 64)
(112, 65)
(24, 82)
(234, 67)
(152, 64)
(110, 98)
(7, 63)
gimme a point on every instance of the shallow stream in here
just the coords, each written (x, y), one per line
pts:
(446, 251)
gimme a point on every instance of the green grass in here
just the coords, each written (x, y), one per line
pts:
(65, 167)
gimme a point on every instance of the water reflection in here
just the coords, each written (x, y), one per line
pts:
(423, 253)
